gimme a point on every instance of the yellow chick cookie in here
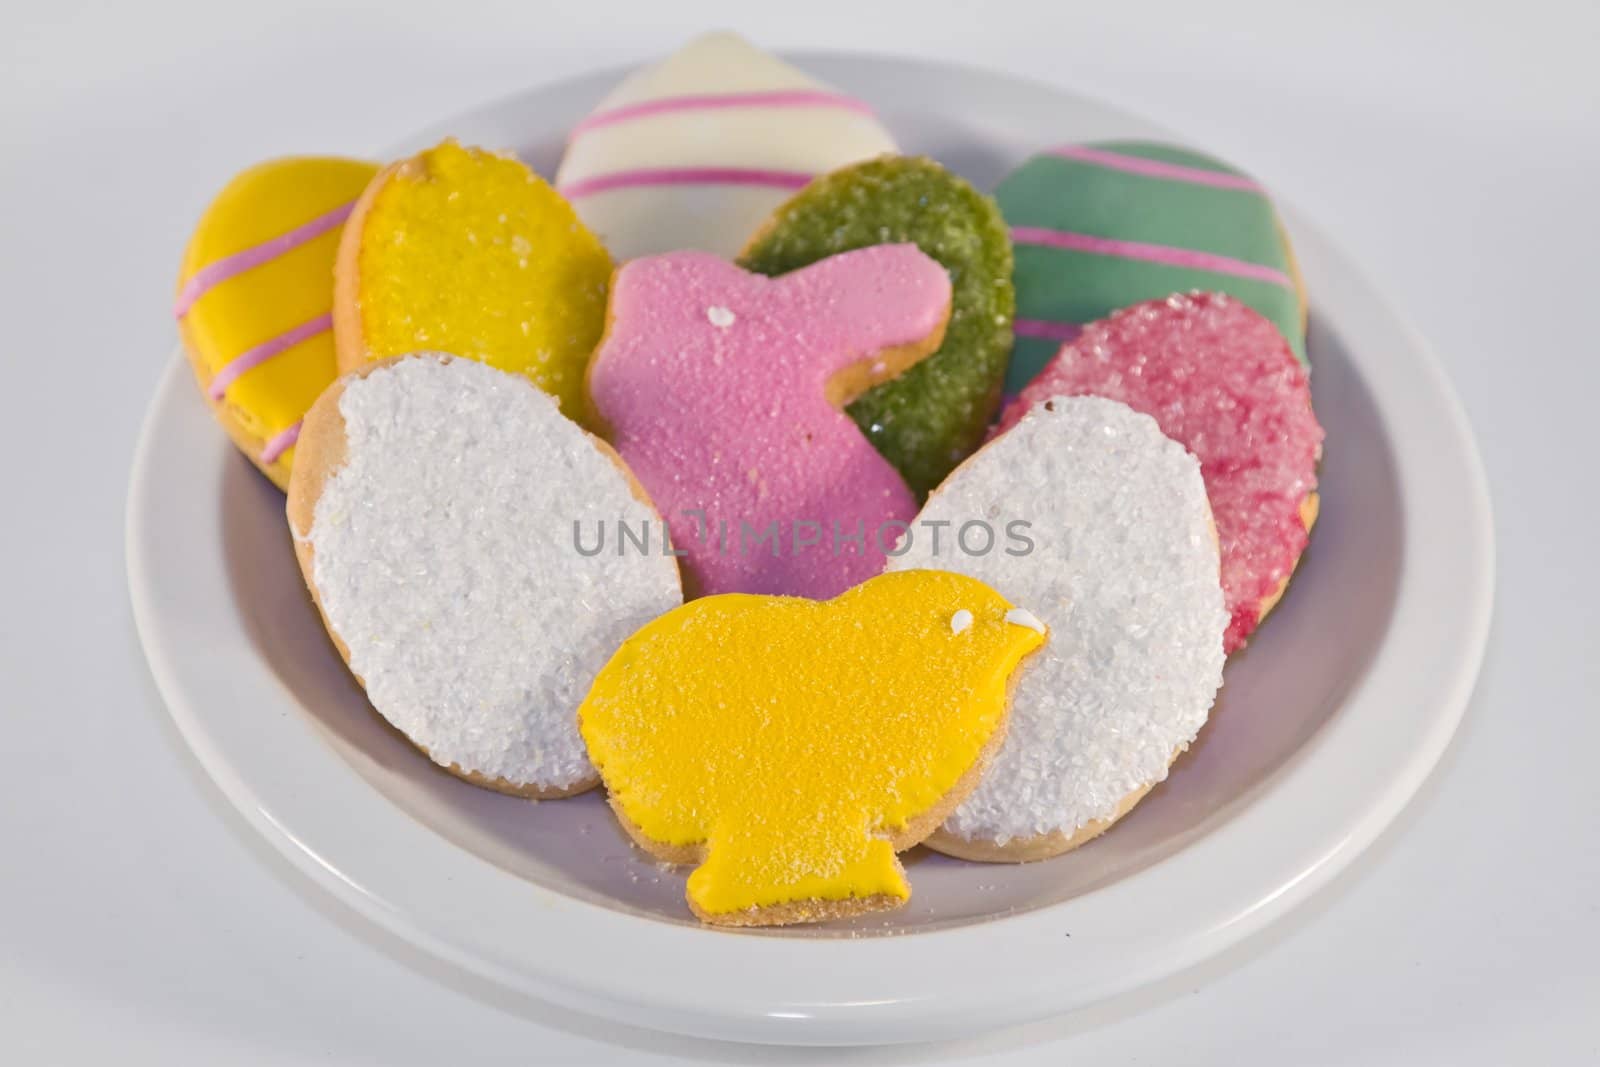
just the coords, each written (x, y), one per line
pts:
(791, 747)
(469, 252)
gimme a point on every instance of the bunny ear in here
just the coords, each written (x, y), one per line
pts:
(858, 304)
(449, 468)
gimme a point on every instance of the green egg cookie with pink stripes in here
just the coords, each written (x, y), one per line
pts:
(1099, 227)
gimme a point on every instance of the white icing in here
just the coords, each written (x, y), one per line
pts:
(1125, 571)
(719, 218)
(1024, 617)
(960, 621)
(444, 560)
(720, 317)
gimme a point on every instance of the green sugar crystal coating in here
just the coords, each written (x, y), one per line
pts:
(933, 415)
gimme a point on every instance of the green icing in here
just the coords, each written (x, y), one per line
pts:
(1061, 285)
(1028, 357)
(1167, 153)
(1062, 194)
(932, 416)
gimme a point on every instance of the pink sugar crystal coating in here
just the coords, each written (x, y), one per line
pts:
(712, 383)
(1220, 380)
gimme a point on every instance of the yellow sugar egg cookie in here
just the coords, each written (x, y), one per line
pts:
(466, 251)
(790, 747)
(255, 297)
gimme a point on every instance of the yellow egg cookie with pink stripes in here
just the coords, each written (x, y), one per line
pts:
(255, 299)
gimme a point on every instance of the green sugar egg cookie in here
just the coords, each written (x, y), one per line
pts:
(931, 417)
(1100, 227)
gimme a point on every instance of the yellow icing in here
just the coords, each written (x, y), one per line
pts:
(469, 252)
(790, 737)
(267, 300)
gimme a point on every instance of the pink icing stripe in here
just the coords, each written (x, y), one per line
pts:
(1152, 168)
(1045, 329)
(266, 350)
(280, 443)
(228, 266)
(1174, 257)
(631, 179)
(717, 102)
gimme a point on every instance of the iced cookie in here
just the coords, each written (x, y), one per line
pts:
(696, 151)
(435, 511)
(1099, 227)
(723, 392)
(1122, 567)
(464, 251)
(789, 748)
(255, 297)
(1221, 381)
(928, 419)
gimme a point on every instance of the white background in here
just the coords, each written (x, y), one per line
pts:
(1454, 148)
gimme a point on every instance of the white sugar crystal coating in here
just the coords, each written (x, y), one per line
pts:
(1125, 573)
(445, 561)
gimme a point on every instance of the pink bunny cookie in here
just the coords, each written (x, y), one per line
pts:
(723, 392)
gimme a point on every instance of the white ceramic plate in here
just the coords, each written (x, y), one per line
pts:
(1326, 727)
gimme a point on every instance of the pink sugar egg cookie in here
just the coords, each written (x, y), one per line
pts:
(722, 390)
(1219, 379)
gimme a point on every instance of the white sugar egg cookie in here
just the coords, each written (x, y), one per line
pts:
(1109, 542)
(435, 508)
(696, 151)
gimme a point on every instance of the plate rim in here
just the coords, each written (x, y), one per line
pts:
(831, 990)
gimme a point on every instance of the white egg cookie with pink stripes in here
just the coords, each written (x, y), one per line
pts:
(1100, 227)
(255, 299)
(696, 151)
